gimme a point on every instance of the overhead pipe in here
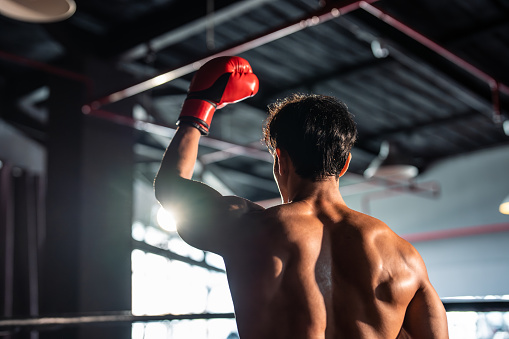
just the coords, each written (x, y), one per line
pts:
(495, 86)
(457, 233)
(49, 69)
(194, 27)
(323, 15)
(166, 131)
(159, 129)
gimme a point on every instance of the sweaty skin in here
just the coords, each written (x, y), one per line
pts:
(309, 268)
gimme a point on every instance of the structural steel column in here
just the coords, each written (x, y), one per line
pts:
(86, 252)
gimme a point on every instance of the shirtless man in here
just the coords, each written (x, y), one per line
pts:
(311, 267)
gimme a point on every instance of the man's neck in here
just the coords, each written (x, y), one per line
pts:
(300, 189)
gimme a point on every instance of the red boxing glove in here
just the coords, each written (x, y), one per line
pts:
(221, 81)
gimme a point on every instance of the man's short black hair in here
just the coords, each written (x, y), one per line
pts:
(317, 131)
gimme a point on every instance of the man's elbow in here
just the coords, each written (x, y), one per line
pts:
(169, 191)
(162, 190)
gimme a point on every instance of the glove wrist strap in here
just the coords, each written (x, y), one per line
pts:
(197, 113)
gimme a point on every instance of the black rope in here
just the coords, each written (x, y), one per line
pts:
(104, 318)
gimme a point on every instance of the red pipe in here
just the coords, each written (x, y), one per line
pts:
(235, 150)
(323, 15)
(495, 86)
(456, 233)
(495, 97)
(48, 69)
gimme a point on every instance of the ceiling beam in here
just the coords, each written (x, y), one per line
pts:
(391, 132)
(483, 28)
(157, 23)
(191, 28)
(329, 12)
(493, 86)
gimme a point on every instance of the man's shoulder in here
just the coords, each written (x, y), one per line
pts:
(389, 245)
(282, 212)
(365, 224)
(377, 233)
(387, 249)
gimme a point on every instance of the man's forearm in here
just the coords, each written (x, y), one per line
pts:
(219, 82)
(178, 160)
(180, 156)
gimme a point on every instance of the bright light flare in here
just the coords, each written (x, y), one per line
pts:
(504, 208)
(166, 220)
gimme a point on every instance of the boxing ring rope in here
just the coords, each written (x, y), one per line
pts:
(476, 306)
(48, 323)
(102, 318)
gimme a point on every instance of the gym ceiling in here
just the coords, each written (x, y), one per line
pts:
(431, 76)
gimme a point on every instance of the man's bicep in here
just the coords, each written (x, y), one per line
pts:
(425, 317)
(205, 219)
(215, 225)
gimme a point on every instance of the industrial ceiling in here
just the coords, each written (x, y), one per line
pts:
(430, 76)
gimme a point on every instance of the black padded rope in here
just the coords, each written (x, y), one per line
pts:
(104, 318)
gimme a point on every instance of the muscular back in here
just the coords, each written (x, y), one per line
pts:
(302, 272)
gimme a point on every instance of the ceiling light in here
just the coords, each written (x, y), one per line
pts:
(506, 127)
(504, 206)
(379, 51)
(391, 163)
(38, 11)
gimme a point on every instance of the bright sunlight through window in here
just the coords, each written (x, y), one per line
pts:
(161, 285)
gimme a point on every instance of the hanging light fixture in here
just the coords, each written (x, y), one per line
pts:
(391, 163)
(38, 11)
(504, 206)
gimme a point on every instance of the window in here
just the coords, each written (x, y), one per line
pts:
(168, 285)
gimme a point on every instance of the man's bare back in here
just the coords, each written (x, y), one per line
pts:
(310, 268)
(320, 272)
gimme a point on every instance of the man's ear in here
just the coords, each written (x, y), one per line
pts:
(345, 168)
(282, 157)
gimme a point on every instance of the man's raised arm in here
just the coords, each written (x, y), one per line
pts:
(219, 82)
